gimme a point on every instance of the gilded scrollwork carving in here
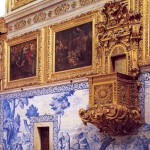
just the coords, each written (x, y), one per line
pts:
(74, 4)
(113, 88)
(103, 93)
(50, 13)
(29, 81)
(3, 26)
(113, 119)
(145, 5)
(29, 21)
(39, 17)
(119, 26)
(114, 106)
(62, 9)
(20, 24)
(84, 2)
(19, 3)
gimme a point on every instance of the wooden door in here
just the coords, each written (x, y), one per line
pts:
(44, 133)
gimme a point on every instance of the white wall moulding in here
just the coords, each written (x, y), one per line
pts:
(49, 12)
(27, 10)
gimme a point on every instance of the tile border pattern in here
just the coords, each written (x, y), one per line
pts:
(45, 118)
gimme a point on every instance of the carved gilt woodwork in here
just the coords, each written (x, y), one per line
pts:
(14, 4)
(114, 107)
(3, 26)
(113, 119)
(145, 43)
(118, 29)
(113, 89)
(3, 33)
(52, 74)
(39, 69)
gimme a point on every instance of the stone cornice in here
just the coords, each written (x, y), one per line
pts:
(29, 9)
(46, 13)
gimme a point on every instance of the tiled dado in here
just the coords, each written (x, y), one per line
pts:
(49, 13)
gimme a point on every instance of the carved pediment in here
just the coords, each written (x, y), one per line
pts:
(117, 25)
(117, 22)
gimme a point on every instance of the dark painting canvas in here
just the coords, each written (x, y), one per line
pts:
(23, 60)
(73, 47)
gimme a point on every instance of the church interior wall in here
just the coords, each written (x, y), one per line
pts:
(60, 104)
(59, 101)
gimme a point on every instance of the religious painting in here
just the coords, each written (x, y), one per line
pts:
(23, 56)
(72, 48)
(23, 60)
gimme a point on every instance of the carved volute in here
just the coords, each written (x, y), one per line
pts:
(114, 107)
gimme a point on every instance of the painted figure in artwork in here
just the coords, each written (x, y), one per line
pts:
(23, 60)
(73, 47)
(61, 142)
(67, 141)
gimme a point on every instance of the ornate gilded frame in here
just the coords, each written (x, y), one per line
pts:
(27, 81)
(145, 43)
(77, 72)
(19, 3)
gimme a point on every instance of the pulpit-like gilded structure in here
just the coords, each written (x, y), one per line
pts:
(114, 107)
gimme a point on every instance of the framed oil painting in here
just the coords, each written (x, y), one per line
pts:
(72, 48)
(22, 60)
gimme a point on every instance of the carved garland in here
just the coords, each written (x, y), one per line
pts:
(42, 16)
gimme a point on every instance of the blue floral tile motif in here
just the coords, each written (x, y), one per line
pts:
(143, 78)
(45, 118)
(60, 105)
(12, 104)
(1, 122)
(32, 112)
(13, 137)
(47, 90)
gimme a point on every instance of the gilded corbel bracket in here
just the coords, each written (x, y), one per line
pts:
(113, 119)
